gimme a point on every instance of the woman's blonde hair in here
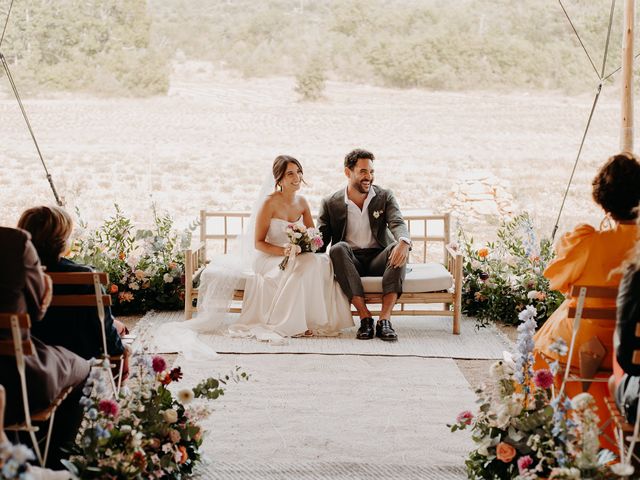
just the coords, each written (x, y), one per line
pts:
(50, 229)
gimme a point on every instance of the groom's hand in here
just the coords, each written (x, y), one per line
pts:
(399, 255)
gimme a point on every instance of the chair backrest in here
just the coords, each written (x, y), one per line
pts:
(424, 228)
(16, 345)
(594, 292)
(80, 278)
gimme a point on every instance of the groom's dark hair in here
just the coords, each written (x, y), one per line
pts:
(353, 156)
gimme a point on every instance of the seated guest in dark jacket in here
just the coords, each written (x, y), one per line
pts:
(626, 374)
(75, 328)
(25, 289)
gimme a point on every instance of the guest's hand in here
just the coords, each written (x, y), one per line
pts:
(399, 255)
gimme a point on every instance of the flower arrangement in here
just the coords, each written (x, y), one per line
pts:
(147, 431)
(301, 240)
(14, 461)
(505, 276)
(524, 431)
(145, 266)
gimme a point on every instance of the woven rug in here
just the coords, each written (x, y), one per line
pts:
(428, 337)
(325, 471)
(334, 417)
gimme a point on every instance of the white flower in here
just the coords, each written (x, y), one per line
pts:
(166, 448)
(167, 278)
(296, 235)
(582, 401)
(377, 213)
(484, 443)
(622, 469)
(532, 295)
(566, 473)
(134, 286)
(185, 395)
(500, 370)
(170, 416)
(22, 454)
(125, 428)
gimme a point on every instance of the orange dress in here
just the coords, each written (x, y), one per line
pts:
(585, 256)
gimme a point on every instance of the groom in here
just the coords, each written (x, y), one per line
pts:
(368, 237)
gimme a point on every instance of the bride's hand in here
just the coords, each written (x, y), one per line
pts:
(287, 249)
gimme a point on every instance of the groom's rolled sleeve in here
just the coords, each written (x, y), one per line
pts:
(394, 219)
(324, 226)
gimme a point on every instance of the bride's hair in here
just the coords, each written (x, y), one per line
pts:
(280, 165)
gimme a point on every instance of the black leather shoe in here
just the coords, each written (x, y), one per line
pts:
(384, 331)
(365, 332)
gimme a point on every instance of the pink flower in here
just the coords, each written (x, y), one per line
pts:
(464, 417)
(317, 241)
(543, 378)
(524, 463)
(159, 364)
(109, 407)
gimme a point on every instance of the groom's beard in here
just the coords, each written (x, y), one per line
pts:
(362, 189)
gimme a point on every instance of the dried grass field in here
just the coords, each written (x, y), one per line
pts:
(209, 143)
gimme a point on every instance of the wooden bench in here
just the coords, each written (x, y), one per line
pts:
(425, 283)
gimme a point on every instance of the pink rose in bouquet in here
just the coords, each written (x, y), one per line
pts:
(301, 240)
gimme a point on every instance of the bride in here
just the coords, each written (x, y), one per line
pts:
(303, 299)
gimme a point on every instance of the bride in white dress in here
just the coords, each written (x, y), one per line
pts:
(303, 299)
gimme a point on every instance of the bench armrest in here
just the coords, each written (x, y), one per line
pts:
(194, 261)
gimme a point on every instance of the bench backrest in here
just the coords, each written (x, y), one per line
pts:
(426, 230)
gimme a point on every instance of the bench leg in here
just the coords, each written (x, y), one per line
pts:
(456, 318)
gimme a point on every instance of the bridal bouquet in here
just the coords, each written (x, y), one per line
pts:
(301, 240)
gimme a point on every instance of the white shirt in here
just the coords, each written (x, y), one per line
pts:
(358, 234)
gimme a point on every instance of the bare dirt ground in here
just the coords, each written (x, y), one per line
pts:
(209, 143)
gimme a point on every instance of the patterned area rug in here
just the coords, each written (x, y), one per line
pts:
(428, 337)
(326, 471)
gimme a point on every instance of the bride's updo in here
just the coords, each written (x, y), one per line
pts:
(280, 165)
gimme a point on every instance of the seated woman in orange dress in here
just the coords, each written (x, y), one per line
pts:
(588, 256)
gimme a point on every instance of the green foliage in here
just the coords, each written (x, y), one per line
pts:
(310, 82)
(501, 279)
(476, 44)
(212, 388)
(145, 266)
(101, 47)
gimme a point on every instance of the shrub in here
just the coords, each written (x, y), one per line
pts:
(310, 82)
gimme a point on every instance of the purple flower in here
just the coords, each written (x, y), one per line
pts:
(159, 364)
(543, 378)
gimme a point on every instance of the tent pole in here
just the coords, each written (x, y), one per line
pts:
(626, 130)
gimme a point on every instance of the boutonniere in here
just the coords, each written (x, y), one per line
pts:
(377, 213)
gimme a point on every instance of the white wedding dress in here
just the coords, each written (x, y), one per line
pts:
(286, 303)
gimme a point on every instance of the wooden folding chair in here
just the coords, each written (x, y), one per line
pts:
(582, 293)
(97, 299)
(627, 434)
(18, 347)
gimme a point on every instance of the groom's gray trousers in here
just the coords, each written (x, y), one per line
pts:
(350, 264)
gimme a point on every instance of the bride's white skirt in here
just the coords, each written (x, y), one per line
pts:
(286, 303)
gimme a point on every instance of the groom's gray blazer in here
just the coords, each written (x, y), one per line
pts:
(387, 224)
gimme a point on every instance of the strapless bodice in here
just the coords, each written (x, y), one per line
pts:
(277, 233)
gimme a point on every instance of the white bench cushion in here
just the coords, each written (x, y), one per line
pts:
(420, 278)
